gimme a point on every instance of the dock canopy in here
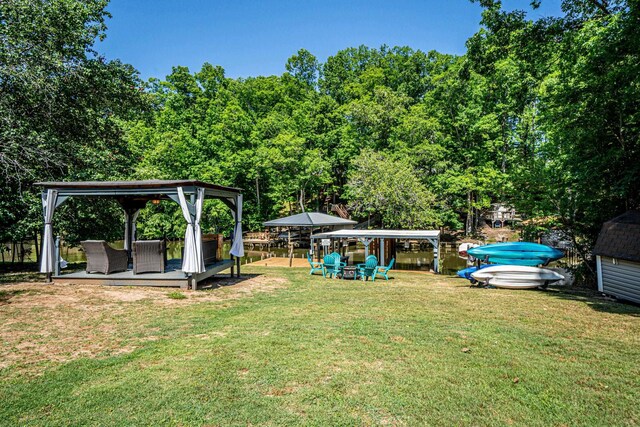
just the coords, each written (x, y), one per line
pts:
(309, 219)
(367, 236)
(133, 196)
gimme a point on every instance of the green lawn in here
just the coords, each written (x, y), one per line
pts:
(283, 348)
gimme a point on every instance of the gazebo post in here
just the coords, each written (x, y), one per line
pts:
(436, 256)
(237, 258)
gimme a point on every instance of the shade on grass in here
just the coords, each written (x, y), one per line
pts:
(419, 349)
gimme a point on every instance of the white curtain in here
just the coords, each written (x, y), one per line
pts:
(237, 248)
(48, 251)
(197, 231)
(192, 261)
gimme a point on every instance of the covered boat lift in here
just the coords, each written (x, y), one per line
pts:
(367, 236)
(133, 196)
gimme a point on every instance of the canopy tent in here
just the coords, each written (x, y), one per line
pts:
(309, 219)
(133, 196)
(367, 236)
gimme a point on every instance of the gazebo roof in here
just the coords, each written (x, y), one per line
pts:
(308, 219)
(136, 188)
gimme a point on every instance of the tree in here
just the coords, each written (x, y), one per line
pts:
(390, 188)
(304, 68)
(61, 104)
(573, 109)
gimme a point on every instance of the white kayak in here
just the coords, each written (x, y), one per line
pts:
(516, 276)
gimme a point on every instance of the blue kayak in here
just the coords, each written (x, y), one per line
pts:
(516, 253)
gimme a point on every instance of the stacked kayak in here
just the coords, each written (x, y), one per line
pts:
(516, 276)
(516, 253)
(514, 265)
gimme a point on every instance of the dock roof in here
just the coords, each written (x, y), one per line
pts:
(385, 234)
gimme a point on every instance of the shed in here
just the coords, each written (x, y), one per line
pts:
(617, 253)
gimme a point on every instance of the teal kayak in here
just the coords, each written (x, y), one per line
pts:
(516, 253)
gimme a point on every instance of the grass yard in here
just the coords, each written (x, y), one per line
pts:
(283, 348)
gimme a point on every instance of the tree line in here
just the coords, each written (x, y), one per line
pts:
(540, 114)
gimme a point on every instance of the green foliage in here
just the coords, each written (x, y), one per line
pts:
(568, 91)
(379, 185)
(61, 104)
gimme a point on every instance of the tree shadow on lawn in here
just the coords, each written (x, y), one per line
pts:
(5, 296)
(595, 300)
(589, 297)
(217, 282)
(29, 272)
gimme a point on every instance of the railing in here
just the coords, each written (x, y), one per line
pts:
(258, 236)
(341, 210)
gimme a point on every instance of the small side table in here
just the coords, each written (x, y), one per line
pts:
(350, 272)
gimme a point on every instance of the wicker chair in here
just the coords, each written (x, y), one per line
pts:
(102, 258)
(149, 256)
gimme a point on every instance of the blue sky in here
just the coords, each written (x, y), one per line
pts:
(251, 38)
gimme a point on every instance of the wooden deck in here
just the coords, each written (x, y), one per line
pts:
(172, 277)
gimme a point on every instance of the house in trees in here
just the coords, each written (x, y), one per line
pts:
(617, 253)
(500, 214)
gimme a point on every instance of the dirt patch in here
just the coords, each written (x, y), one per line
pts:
(44, 324)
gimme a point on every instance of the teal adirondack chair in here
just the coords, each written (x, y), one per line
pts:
(315, 265)
(383, 270)
(330, 265)
(369, 268)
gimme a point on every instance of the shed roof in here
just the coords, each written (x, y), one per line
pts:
(620, 237)
(308, 219)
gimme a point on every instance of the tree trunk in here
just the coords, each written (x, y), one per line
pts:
(258, 195)
(469, 220)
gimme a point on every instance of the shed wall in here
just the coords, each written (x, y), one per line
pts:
(622, 279)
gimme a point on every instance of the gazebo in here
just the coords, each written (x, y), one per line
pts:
(308, 220)
(133, 196)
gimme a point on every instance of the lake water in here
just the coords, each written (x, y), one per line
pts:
(417, 258)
